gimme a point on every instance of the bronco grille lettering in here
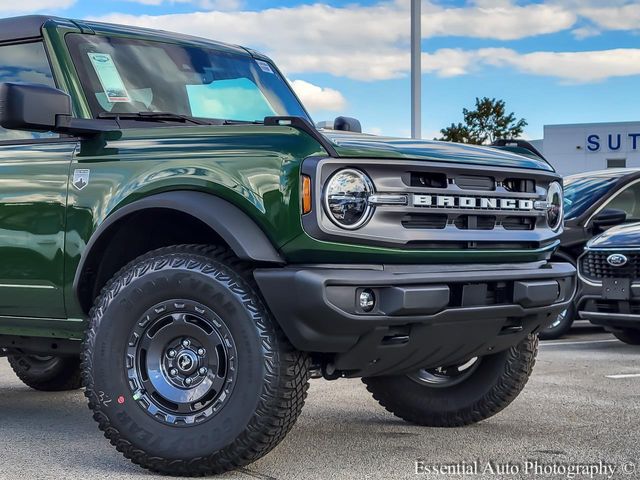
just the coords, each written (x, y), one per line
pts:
(483, 203)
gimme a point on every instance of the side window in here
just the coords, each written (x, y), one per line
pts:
(628, 201)
(28, 63)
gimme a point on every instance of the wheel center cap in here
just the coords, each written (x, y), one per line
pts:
(187, 362)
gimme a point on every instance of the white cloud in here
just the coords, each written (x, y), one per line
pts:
(626, 17)
(309, 38)
(222, 5)
(371, 43)
(599, 16)
(499, 19)
(317, 98)
(569, 67)
(29, 6)
(449, 62)
(577, 67)
(586, 32)
(359, 42)
(387, 21)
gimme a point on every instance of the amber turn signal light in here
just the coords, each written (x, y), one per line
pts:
(306, 194)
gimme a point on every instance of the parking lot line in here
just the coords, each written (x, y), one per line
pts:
(550, 344)
(624, 375)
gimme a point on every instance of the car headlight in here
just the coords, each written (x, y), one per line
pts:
(555, 206)
(346, 198)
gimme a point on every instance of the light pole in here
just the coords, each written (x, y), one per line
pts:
(416, 69)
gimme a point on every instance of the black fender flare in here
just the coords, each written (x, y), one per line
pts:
(236, 228)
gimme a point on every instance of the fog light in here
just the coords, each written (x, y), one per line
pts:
(367, 300)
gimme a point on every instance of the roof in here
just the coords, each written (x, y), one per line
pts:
(22, 27)
(30, 26)
(591, 125)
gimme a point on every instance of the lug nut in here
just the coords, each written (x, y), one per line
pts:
(188, 381)
(171, 353)
(202, 371)
(201, 352)
(186, 343)
(173, 372)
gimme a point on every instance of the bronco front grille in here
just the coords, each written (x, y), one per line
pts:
(446, 205)
(594, 265)
(475, 222)
(426, 221)
(519, 223)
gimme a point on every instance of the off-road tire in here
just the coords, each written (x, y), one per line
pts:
(553, 332)
(268, 395)
(629, 336)
(47, 374)
(494, 384)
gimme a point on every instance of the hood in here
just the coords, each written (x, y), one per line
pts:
(620, 237)
(358, 145)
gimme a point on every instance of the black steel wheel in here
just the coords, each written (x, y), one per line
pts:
(185, 369)
(181, 362)
(560, 325)
(445, 377)
(47, 373)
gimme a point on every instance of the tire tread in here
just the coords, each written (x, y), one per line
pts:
(628, 336)
(287, 374)
(519, 363)
(69, 376)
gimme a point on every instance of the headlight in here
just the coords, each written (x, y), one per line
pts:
(346, 196)
(555, 206)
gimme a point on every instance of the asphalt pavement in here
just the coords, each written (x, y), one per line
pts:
(581, 409)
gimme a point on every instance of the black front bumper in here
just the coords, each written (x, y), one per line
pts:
(425, 315)
(612, 310)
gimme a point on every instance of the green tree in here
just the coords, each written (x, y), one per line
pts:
(487, 123)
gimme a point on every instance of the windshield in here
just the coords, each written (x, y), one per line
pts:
(582, 191)
(123, 75)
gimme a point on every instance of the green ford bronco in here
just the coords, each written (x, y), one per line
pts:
(179, 238)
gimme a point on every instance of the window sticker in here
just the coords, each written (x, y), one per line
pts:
(110, 78)
(264, 66)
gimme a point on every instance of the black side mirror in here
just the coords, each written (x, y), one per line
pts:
(32, 107)
(39, 108)
(609, 217)
(347, 124)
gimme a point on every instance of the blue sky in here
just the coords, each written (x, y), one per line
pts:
(552, 61)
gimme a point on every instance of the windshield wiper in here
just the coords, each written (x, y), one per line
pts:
(156, 116)
(243, 122)
(173, 117)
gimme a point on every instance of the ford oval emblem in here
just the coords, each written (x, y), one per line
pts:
(617, 260)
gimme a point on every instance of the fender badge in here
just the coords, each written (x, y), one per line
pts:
(81, 178)
(617, 260)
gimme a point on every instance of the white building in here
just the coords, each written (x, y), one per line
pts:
(596, 146)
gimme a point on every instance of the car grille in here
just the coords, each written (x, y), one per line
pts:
(470, 218)
(461, 184)
(594, 265)
(436, 221)
(448, 206)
